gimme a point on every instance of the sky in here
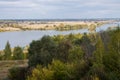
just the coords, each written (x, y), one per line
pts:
(59, 9)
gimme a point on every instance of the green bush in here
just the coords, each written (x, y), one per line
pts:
(17, 73)
(40, 73)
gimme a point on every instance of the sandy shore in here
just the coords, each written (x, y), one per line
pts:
(46, 25)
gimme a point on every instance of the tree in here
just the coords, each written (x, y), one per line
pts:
(7, 52)
(40, 73)
(17, 73)
(42, 51)
(86, 45)
(60, 70)
(112, 57)
(98, 54)
(97, 69)
(18, 53)
(55, 71)
(75, 54)
(63, 50)
(1, 56)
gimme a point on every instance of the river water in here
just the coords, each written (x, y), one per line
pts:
(23, 38)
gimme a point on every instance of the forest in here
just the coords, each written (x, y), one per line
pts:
(88, 56)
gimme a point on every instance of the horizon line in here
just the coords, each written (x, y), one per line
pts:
(56, 18)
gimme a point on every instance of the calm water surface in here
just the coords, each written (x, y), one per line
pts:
(23, 38)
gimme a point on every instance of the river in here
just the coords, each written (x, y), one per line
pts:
(23, 38)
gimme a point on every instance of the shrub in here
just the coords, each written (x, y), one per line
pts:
(17, 73)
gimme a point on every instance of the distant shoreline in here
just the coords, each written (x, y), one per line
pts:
(22, 25)
(82, 19)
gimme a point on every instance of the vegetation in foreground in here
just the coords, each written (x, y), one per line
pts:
(73, 57)
(76, 57)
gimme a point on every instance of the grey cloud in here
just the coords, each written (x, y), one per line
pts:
(60, 8)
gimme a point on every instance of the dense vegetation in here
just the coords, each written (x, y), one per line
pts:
(74, 57)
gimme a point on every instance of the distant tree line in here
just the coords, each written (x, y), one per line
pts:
(15, 54)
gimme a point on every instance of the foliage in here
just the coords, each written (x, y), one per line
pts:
(40, 73)
(18, 53)
(63, 50)
(112, 58)
(60, 70)
(42, 51)
(7, 52)
(1, 56)
(17, 73)
(76, 57)
(75, 54)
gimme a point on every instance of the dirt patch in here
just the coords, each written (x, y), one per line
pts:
(6, 65)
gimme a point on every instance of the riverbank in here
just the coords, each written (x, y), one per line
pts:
(60, 25)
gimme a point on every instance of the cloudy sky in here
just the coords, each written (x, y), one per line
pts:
(59, 9)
